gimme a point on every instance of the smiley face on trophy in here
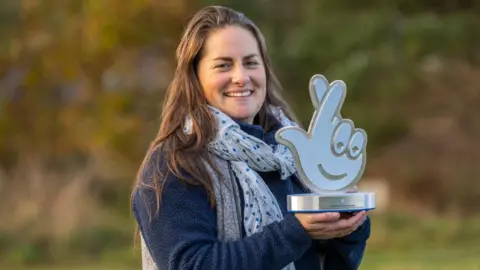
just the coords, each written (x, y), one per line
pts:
(330, 157)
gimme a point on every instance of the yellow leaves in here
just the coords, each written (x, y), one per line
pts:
(29, 4)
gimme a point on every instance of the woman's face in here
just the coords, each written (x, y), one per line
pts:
(232, 73)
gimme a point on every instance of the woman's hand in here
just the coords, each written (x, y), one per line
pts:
(353, 189)
(329, 225)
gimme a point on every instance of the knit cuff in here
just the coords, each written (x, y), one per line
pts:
(296, 230)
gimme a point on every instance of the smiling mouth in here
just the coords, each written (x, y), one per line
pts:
(239, 94)
(331, 176)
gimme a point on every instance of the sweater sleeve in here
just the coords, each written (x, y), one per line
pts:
(346, 252)
(182, 234)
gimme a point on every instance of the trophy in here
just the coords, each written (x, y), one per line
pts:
(330, 157)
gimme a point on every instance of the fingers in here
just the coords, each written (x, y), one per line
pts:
(327, 98)
(317, 225)
(350, 224)
(333, 101)
(318, 88)
(329, 225)
(354, 189)
(319, 217)
(358, 143)
(342, 136)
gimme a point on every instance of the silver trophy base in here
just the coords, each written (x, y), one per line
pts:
(335, 202)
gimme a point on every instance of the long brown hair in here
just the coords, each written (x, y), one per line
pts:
(186, 153)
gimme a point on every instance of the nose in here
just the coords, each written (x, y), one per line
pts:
(240, 76)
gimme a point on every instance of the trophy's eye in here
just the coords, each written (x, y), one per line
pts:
(356, 144)
(341, 136)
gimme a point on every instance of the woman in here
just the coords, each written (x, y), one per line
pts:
(211, 192)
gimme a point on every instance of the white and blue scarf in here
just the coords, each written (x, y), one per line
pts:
(248, 155)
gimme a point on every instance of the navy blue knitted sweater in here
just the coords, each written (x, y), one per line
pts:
(182, 235)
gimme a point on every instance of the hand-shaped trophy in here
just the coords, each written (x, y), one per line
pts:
(330, 157)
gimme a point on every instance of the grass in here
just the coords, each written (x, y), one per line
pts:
(465, 258)
(406, 242)
(397, 242)
(460, 257)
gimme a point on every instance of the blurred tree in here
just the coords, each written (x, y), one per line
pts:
(81, 83)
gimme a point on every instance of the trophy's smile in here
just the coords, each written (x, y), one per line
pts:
(331, 176)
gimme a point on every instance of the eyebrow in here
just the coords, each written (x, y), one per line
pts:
(225, 58)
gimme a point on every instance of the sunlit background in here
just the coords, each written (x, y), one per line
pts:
(81, 87)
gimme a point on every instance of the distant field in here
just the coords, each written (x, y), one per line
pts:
(467, 258)
(433, 259)
(398, 242)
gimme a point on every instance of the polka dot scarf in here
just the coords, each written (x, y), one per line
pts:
(249, 154)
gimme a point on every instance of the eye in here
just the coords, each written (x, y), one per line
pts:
(222, 66)
(356, 144)
(341, 136)
(252, 63)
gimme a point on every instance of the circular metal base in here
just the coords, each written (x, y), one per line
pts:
(335, 202)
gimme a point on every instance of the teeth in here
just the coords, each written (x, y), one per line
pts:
(239, 94)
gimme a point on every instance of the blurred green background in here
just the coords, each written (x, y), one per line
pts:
(81, 86)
